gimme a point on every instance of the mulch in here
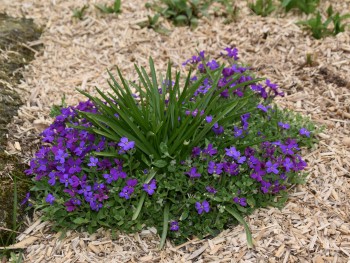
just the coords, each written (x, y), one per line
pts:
(313, 226)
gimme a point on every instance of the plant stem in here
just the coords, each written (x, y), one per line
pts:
(165, 225)
(244, 223)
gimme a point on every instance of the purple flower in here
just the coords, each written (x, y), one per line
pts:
(193, 173)
(213, 64)
(202, 207)
(288, 164)
(174, 226)
(262, 107)
(272, 168)
(218, 129)
(208, 118)
(215, 168)
(211, 189)
(232, 52)
(210, 150)
(196, 151)
(231, 168)
(150, 188)
(72, 204)
(241, 201)
(265, 186)
(61, 155)
(232, 152)
(244, 120)
(125, 145)
(50, 199)
(237, 132)
(93, 161)
(304, 132)
(285, 126)
(26, 198)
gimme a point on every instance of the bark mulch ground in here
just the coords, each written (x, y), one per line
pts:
(312, 227)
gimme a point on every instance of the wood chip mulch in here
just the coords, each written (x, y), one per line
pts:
(313, 226)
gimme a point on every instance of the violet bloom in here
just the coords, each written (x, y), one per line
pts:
(215, 168)
(151, 187)
(218, 129)
(196, 151)
(128, 189)
(285, 126)
(125, 144)
(210, 150)
(50, 199)
(232, 53)
(304, 132)
(265, 186)
(209, 118)
(231, 168)
(61, 156)
(26, 198)
(272, 168)
(174, 226)
(241, 201)
(202, 207)
(237, 132)
(288, 164)
(211, 189)
(93, 161)
(72, 204)
(262, 107)
(193, 173)
(213, 65)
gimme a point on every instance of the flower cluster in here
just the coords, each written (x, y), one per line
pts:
(63, 163)
(104, 163)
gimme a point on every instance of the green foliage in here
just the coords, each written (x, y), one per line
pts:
(167, 119)
(181, 12)
(262, 7)
(79, 12)
(231, 10)
(56, 109)
(305, 6)
(321, 28)
(115, 8)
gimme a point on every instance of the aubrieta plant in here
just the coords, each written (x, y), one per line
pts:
(189, 156)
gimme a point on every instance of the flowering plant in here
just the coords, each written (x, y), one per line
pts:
(196, 156)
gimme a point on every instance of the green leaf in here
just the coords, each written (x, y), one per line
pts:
(165, 225)
(240, 219)
(160, 163)
(80, 221)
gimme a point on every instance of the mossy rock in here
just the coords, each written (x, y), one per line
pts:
(15, 33)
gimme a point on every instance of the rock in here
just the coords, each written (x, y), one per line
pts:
(14, 34)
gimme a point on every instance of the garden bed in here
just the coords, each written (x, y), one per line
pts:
(314, 223)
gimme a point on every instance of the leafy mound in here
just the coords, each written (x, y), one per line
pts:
(188, 156)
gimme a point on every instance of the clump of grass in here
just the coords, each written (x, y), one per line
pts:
(262, 7)
(231, 11)
(305, 6)
(181, 12)
(321, 29)
(114, 9)
(56, 109)
(80, 12)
